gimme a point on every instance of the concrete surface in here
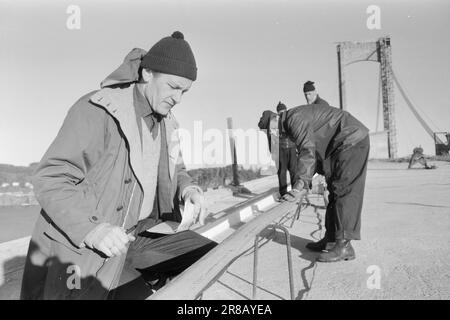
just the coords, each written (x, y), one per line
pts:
(12, 261)
(404, 253)
(19, 221)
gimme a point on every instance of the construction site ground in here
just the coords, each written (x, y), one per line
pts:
(404, 252)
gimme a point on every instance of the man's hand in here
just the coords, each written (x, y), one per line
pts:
(290, 196)
(294, 195)
(110, 240)
(200, 209)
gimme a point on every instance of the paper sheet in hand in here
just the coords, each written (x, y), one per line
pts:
(188, 217)
(170, 227)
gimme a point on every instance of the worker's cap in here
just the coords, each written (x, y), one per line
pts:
(281, 107)
(264, 121)
(308, 86)
(172, 55)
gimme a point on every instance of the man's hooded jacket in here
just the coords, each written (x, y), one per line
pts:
(93, 172)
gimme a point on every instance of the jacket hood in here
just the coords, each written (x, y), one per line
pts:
(128, 71)
(264, 121)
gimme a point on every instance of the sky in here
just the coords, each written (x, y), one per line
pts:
(250, 55)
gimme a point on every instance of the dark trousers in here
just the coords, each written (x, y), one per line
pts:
(346, 186)
(154, 256)
(287, 162)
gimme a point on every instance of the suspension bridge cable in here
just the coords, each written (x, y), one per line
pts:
(416, 107)
(413, 109)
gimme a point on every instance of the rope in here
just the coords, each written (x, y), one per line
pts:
(414, 111)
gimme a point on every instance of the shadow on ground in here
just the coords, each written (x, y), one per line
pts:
(299, 244)
(12, 274)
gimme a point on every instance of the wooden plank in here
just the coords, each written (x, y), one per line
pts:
(197, 278)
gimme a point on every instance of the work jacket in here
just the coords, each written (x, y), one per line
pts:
(269, 123)
(89, 176)
(319, 100)
(285, 141)
(320, 131)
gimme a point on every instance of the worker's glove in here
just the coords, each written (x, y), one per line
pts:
(291, 196)
(296, 193)
(110, 240)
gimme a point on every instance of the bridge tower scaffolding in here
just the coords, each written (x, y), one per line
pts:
(350, 52)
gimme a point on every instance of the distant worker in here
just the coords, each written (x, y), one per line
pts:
(418, 157)
(269, 124)
(446, 147)
(447, 135)
(329, 135)
(287, 155)
(311, 95)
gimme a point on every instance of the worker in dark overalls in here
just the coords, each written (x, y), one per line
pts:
(287, 154)
(329, 135)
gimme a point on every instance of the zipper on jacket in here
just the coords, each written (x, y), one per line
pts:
(129, 204)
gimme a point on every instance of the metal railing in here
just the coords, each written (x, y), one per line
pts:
(191, 284)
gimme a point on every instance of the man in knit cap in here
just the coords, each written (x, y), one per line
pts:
(311, 95)
(113, 171)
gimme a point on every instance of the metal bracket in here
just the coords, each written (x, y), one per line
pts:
(288, 248)
(296, 216)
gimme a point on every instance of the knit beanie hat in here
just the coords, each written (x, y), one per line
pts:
(308, 86)
(281, 106)
(171, 55)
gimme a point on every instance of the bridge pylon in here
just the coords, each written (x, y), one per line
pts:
(350, 52)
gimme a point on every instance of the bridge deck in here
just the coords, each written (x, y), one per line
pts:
(403, 254)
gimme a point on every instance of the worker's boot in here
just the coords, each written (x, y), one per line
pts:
(342, 250)
(321, 244)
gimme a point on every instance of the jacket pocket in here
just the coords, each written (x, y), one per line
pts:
(57, 237)
(104, 179)
(73, 275)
